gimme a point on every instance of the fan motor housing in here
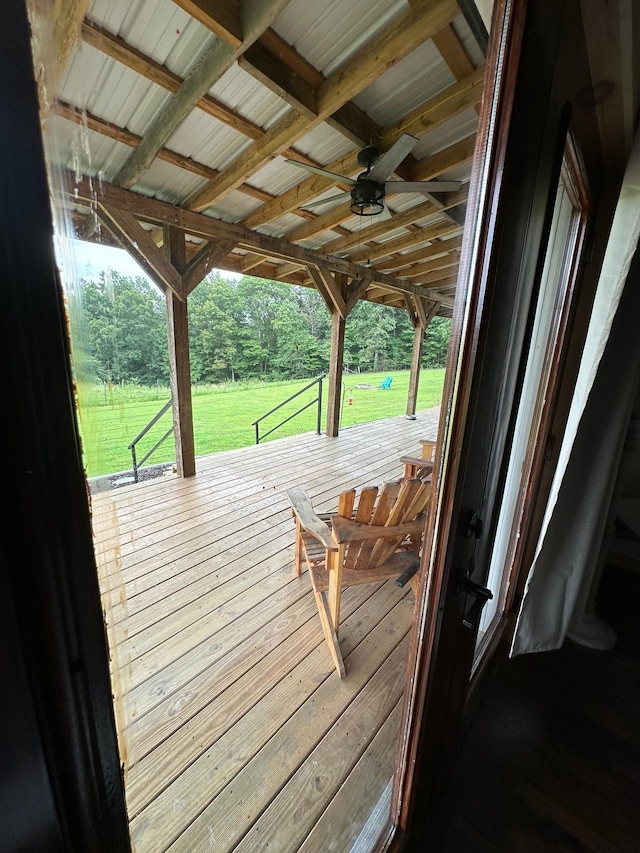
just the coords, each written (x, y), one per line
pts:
(367, 198)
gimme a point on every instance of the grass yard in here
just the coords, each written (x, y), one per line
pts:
(223, 415)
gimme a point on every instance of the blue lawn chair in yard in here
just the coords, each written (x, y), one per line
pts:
(386, 384)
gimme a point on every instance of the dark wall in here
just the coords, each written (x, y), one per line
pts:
(61, 786)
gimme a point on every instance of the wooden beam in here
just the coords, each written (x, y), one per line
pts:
(415, 238)
(451, 50)
(222, 17)
(320, 286)
(445, 105)
(280, 78)
(425, 316)
(139, 243)
(158, 212)
(355, 290)
(215, 61)
(338, 324)
(386, 49)
(349, 120)
(113, 131)
(326, 283)
(119, 50)
(347, 165)
(67, 18)
(180, 380)
(437, 250)
(450, 157)
(414, 373)
(204, 261)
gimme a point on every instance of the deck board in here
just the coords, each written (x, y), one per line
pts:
(234, 724)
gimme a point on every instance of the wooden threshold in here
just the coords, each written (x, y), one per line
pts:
(236, 732)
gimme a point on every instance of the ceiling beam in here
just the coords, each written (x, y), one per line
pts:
(437, 108)
(204, 261)
(158, 212)
(67, 18)
(448, 158)
(407, 241)
(222, 17)
(138, 242)
(210, 67)
(395, 42)
(440, 247)
(436, 111)
(113, 131)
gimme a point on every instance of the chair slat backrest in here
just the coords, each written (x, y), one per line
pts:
(384, 548)
(366, 504)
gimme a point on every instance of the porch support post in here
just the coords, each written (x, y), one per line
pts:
(179, 364)
(420, 317)
(338, 324)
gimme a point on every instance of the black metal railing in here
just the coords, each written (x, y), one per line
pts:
(132, 447)
(317, 400)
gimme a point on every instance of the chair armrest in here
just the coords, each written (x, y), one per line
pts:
(345, 530)
(306, 515)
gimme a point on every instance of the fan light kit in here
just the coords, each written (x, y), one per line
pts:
(368, 190)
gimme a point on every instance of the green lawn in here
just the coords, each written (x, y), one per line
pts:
(223, 415)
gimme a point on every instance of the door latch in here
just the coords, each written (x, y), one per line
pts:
(482, 594)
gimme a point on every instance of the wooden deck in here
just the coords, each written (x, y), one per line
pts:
(236, 732)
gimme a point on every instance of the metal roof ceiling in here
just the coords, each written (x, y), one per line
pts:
(133, 60)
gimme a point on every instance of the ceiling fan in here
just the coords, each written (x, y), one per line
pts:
(368, 190)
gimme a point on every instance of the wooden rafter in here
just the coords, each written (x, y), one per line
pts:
(395, 42)
(216, 59)
(67, 16)
(139, 243)
(204, 261)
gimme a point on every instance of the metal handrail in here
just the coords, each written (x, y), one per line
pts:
(318, 400)
(132, 447)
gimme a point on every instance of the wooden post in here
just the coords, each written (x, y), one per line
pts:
(335, 373)
(414, 377)
(179, 363)
(338, 324)
(420, 317)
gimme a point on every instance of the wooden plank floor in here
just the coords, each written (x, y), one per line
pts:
(236, 732)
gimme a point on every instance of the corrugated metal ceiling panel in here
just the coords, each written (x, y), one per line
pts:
(238, 90)
(328, 33)
(411, 82)
(207, 141)
(161, 30)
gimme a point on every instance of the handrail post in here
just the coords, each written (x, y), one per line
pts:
(135, 463)
(257, 432)
(319, 425)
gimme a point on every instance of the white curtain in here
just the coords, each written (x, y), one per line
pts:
(568, 548)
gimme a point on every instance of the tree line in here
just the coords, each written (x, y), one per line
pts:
(250, 328)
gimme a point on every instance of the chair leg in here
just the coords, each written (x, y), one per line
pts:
(297, 554)
(329, 633)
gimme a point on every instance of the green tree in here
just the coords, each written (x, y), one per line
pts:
(126, 328)
(436, 342)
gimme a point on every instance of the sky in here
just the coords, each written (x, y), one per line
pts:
(91, 259)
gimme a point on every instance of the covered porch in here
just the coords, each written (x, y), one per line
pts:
(236, 732)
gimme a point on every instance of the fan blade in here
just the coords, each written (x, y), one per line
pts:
(422, 186)
(318, 171)
(392, 158)
(341, 196)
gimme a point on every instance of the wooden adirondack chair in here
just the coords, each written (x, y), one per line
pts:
(376, 539)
